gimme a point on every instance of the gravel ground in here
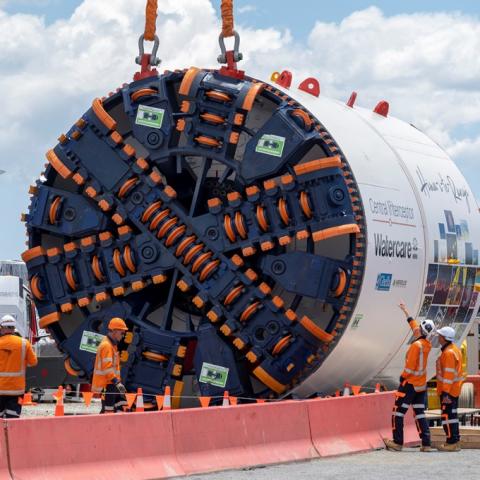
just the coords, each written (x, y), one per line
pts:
(47, 409)
(378, 465)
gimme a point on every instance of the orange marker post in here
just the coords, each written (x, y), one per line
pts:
(139, 405)
(167, 401)
(59, 407)
(26, 400)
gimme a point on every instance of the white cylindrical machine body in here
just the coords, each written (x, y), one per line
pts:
(423, 236)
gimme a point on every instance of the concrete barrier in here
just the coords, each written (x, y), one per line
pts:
(184, 442)
(4, 471)
(103, 447)
(354, 424)
(221, 438)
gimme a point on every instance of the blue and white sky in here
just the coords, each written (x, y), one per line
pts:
(57, 55)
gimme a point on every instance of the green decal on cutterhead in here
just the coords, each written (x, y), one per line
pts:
(90, 341)
(150, 116)
(271, 145)
(214, 375)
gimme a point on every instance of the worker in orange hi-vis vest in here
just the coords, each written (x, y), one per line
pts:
(16, 354)
(450, 378)
(413, 385)
(106, 373)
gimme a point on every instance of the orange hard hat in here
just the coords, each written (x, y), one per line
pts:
(117, 324)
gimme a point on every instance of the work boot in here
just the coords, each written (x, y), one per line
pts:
(426, 448)
(391, 445)
(449, 447)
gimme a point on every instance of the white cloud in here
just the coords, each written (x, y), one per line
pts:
(426, 65)
(247, 9)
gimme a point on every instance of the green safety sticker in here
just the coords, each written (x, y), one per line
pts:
(90, 341)
(214, 375)
(271, 145)
(150, 116)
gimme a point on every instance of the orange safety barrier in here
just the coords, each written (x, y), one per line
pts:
(354, 423)
(110, 447)
(191, 440)
(4, 466)
(59, 407)
(219, 438)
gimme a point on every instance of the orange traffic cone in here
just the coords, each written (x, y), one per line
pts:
(377, 388)
(167, 401)
(204, 401)
(356, 389)
(233, 400)
(27, 400)
(139, 406)
(226, 400)
(59, 407)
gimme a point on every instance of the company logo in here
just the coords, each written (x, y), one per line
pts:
(271, 145)
(443, 185)
(399, 283)
(384, 247)
(384, 282)
(150, 116)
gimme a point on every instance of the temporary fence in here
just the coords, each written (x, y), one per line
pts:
(140, 401)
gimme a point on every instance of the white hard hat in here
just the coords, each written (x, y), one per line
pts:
(8, 321)
(448, 333)
(427, 327)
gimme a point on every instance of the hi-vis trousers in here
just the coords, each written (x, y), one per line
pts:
(450, 420)
(406, 396)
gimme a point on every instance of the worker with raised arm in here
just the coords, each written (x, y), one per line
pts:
(413, 385)
(16, 354)
(450, 378)
(106, 373)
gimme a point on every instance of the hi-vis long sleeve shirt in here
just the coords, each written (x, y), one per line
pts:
(107, 366)
(449, 371)
(16, 354)
(415, 370)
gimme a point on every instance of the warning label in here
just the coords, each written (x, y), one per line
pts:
(90, 341)
(271, 145)
(214, 375)
(150, 116)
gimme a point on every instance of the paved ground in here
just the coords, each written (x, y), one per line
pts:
(379, 465)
